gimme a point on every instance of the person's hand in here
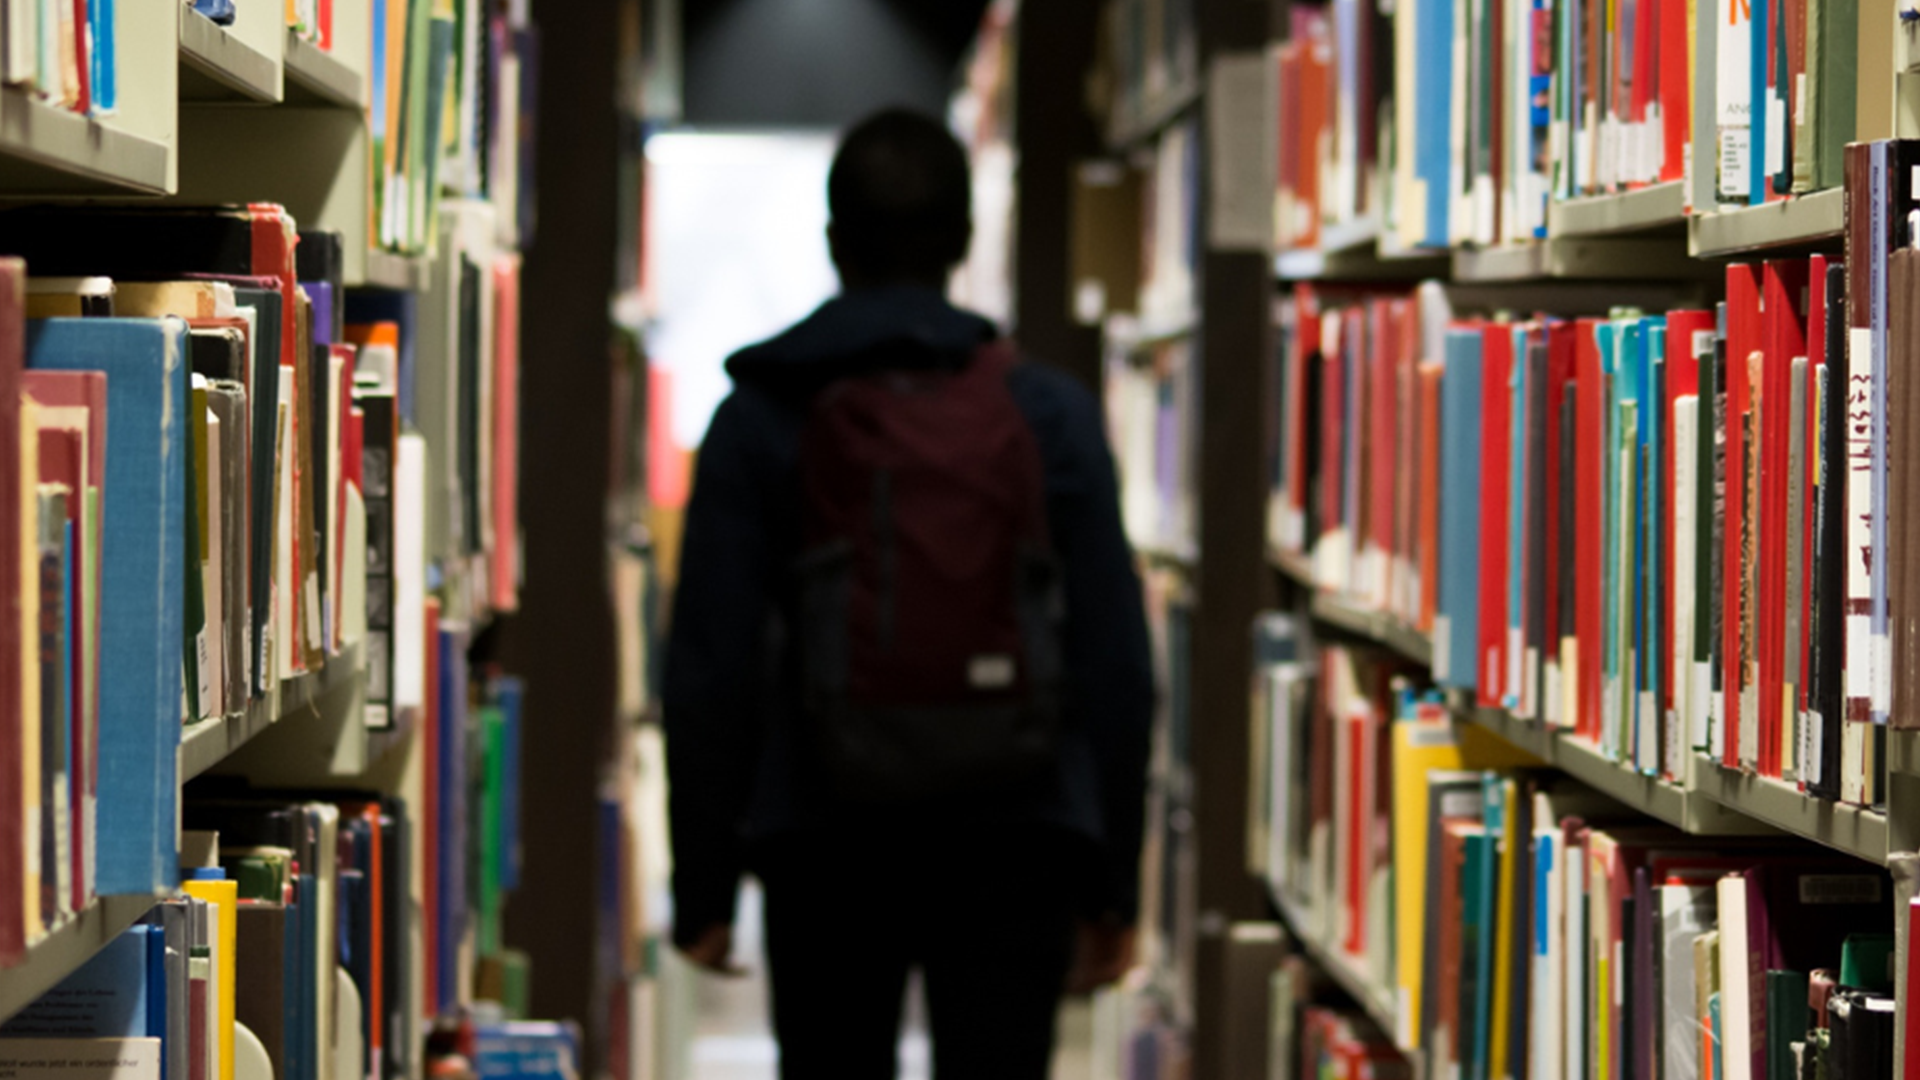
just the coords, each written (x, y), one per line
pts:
(712, 951)
(1104, 951)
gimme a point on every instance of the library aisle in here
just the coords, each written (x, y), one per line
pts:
(1511, 406)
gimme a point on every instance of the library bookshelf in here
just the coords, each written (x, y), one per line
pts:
(256, 112)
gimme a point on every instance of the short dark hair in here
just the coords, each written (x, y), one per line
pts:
(900, 194)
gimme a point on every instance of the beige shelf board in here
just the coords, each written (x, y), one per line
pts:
(1655, 207)
(216, 65)
(387, 270)
(1537, 739)
(51, 958)
(317, 77)
(48, 150)
(1855, 830)
(1579, 258)
(1376, 1001)
(1903, 752)
(1357, 251)
(209, 742)
(1810, 219)
(1293, 564)
(1375, 625)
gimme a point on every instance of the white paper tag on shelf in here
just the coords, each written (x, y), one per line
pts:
(1776, 134)
(1733, 162)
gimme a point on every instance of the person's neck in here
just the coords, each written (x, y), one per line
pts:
(857, 283)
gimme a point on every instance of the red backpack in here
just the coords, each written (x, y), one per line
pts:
(930, 598)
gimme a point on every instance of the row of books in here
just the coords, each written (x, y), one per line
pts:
(1667, 533)
(216, 491)
(61, 51)
(1152, 405)
(1316, 1035)
(1149, 53)
(1484, 112)
(287, 950)
(1521, 925)
(451, 112)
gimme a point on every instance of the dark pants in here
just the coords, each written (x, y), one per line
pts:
(987, 919)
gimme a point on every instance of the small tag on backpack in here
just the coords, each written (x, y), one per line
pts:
(994, 671)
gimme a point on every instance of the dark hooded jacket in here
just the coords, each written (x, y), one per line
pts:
(739, 774)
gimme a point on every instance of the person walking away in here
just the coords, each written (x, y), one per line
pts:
(908, 683)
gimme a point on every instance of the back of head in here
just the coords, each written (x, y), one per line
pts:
(901, 201)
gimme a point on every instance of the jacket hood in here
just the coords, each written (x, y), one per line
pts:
(904, 325)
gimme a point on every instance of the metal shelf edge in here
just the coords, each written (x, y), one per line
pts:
(66, 948)
(216, 53)
(1855, 830)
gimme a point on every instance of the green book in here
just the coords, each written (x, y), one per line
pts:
(1836, 23)
(493, 728)
(1866, 963)
(1786, 1022)
(1713, 1035)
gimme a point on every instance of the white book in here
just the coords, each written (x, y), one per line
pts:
(1736, 1016)
(1686, 911)
(211, 575)
(1685, 526)
(336, 371)
(1544, 1016)
(1574, 949)
(284, 582)
(410, 572)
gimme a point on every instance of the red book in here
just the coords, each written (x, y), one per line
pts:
(87, 390)
(63, 452)
(82, 48)
(1315, 107)
(1785, 284)
(1643, 88)
(1743, 342)
(1496, 448)
(13, 806)
(1428, 541)
(1676, 94)
(1684, 346)
(430, 823)
(1560, 371)
(1355, 726)
(505, 556)
(1589, 523)
(1910, 1068)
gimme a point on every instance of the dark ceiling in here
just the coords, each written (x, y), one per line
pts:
(820, 63)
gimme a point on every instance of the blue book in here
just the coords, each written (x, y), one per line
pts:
(510, 694)
(142, 584)
(1607, 335)
(1458, 604)
(452, 847)
(402, 309)
(101, 66)
(1476, 948)
(1758, 65)
(1653, 421)
(1433, 154)
(112, 995)
(526, 1050)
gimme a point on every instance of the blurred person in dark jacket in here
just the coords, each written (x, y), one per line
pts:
(1009, 874)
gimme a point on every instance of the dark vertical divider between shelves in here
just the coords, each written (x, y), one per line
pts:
(1054, 131)
(562, 638)
(1235, 290)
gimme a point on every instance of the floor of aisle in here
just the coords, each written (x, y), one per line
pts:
(733, 1041)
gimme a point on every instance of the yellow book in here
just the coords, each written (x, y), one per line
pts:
(1512, 844)
(225, 897)
(1426, 742)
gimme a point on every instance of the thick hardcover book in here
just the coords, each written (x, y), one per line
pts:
(1743, 345)
(77, 401)
(143, 565)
